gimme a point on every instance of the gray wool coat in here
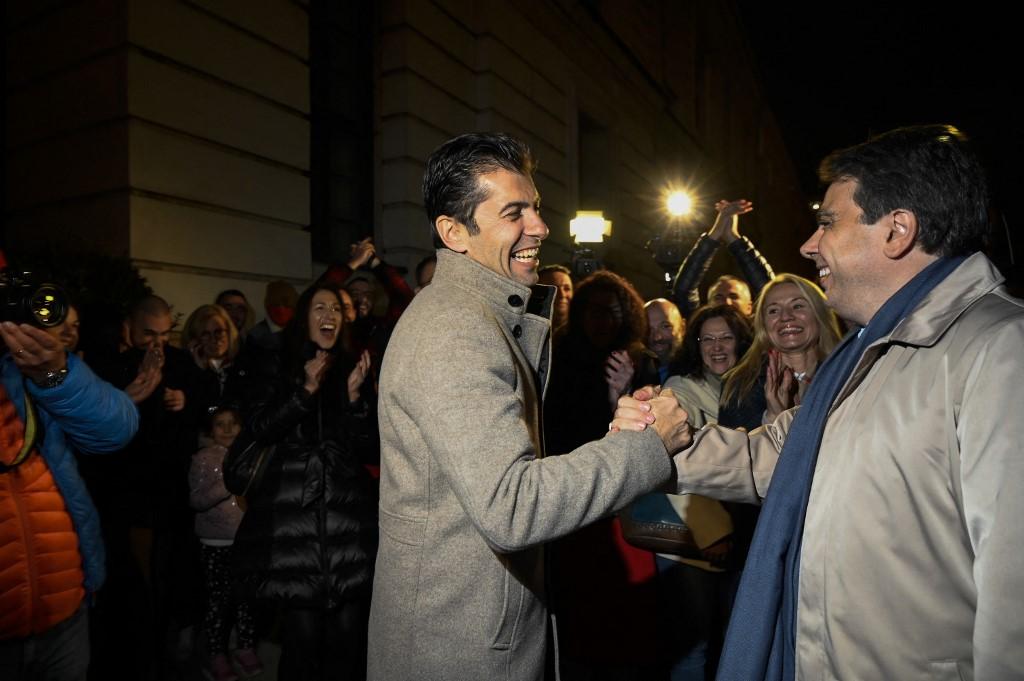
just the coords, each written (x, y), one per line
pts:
(467, 500)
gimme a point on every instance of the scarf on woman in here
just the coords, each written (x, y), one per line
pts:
(761, 640)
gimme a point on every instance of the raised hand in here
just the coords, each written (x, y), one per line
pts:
(34, 351)
(618, 374)
(361, 253)
(727, 224)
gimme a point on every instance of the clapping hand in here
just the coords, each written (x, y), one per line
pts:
(726, 227)
(778, 386)
(358, 376)
(315, 369)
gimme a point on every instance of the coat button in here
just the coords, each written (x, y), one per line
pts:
(515, 301)
(517, 331)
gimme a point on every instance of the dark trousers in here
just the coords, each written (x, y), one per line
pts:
(319, 644)
(60, 654)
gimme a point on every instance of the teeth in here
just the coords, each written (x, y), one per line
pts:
(526, 254)
(824, 272)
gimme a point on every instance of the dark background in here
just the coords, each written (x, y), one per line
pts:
(835, 75)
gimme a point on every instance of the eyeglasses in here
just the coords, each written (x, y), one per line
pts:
(711, 340)
(216, 333)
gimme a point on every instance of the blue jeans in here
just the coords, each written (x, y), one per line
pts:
(60, 654)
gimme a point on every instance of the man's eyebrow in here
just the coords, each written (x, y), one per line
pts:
(517, 205)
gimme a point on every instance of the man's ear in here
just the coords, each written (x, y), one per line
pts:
(902, 236)
(452, 232)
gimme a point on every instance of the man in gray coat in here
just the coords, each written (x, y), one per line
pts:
(905, 532)
(467, 499)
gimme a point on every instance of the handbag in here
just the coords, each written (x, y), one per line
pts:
(244, 467)
(652, 523)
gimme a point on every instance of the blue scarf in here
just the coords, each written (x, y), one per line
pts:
(761, 640)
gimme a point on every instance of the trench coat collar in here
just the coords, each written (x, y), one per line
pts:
(499, 292)
(924, 326)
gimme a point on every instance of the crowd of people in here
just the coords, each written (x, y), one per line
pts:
(268, 481)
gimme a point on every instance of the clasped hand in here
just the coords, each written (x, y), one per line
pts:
(659, 409)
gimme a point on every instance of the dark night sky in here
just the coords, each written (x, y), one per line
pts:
(836, 74)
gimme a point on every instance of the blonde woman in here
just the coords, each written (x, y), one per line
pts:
(212, 339)
(794, 331)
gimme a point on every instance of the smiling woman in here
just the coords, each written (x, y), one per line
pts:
(306, 539)
(793, 331)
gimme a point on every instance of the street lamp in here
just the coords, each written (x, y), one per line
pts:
(588, 227)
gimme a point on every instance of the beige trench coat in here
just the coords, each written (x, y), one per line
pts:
(912, 566)
(466, 502)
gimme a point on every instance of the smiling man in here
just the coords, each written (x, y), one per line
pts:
(466, 498)
(889, 543)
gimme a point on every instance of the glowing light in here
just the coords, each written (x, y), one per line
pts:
(589, 226)
(678, 204)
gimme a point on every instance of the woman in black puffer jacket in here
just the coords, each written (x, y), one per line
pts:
(306, 540)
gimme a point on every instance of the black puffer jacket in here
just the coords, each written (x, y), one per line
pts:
(307, 535)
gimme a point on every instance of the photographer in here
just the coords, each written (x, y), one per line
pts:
(52, 556)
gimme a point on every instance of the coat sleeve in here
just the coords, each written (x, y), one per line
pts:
(476, 430)
(731, 465)
(686, 287)
(752, 264)
(990, 432)
(94, 415)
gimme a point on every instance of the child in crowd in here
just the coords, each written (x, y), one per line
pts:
(217, 519)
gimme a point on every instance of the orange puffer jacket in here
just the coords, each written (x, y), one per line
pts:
(41, 577)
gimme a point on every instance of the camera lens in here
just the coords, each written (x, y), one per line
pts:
(47, 306)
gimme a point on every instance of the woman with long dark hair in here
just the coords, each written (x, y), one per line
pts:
(606, 588)
(306, 538)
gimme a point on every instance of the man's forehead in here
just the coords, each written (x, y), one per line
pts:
(838, 196)
(508, 186)
(154, 322)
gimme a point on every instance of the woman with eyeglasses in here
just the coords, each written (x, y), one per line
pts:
(693, 590)
(210, 336)
(306, 542)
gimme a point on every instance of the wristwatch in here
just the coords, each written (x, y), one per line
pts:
(52, 378)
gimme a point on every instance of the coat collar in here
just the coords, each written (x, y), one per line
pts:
(499, 292)
(974, 278)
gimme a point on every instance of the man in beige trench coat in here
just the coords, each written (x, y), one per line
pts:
(466, 498)
(909, 562)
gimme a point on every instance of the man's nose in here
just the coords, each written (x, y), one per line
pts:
(536, 227)
(810, 247)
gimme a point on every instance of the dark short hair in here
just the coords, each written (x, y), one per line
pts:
(929, 170)
(229, 292)
(689, 361)
(450, 183)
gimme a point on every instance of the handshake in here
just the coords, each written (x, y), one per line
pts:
(659, 409)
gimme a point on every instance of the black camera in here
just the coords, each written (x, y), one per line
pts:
(25, 301)
(669, 249)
